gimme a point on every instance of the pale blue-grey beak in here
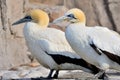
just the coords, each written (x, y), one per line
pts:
(60, 19)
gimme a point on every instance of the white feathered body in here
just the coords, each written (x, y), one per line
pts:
(80, 38)
(51, 40)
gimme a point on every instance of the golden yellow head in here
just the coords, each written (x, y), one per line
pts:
(37, 16)
(73, 16)
(78, 15)
(40, 17)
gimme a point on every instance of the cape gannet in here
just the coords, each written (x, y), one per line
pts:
(49, 45)
(96, 45)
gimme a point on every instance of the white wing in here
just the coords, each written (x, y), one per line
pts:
(105, 39)
(54, 42)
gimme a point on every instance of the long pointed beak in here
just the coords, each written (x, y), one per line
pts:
(61, 19)
(23, 20)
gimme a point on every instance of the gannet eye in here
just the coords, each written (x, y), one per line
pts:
(28, 17)
(71, 16)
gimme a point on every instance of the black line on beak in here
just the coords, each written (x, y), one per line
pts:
(23, 20)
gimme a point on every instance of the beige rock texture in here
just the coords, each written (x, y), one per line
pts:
(12, 45)
(28, 73)
(13, 50)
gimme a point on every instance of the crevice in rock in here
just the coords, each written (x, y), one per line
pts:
(106, 3)
(9, 25)
(3, 9)
(3, 16)
(96, 12)
(23, 6)
(75, 4)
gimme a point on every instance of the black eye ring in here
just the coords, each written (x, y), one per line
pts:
(28, 17)
(71, 16)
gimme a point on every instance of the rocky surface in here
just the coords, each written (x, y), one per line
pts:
(26, 72)
(114, 8)
(12, 49)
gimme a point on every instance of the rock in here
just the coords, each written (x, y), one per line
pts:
(27, 72)
(56, 12)
(100, 12)
(48, 2)
(10, 75)
(24, 72)
(114, 7)
(12, 43)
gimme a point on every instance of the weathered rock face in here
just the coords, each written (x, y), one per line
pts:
(13, 50)
(12, 44)
(114, 10)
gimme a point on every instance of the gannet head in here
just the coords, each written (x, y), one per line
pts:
(37, 16)
(73, 16)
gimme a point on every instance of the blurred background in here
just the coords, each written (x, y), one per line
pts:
(13, 50)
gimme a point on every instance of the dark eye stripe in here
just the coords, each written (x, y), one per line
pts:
(71, 15)
(28, 17)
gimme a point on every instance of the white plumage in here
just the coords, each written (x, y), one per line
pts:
(49, 45)
(97, 45)
(50, 40)
(102, 38)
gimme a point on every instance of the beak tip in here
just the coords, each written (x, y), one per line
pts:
(59, 20)
(54, 22)
(13, 24)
